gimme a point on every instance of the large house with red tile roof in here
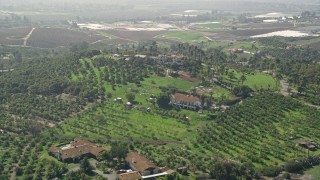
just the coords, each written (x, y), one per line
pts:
(186, 101)
(76, 150)
(144, 167)
(141, 164)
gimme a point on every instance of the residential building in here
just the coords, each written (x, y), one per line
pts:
(76, 150)
(141, 164)
(142, 168)
(186, 101)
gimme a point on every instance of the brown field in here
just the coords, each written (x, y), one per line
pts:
(13, 36)
(135, 35)
(186, 76)
(56, 37)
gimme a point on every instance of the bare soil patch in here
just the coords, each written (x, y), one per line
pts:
(55, 37)
(186, 76)
(13, 36)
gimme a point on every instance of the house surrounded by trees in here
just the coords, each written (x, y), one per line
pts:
(186, 101)
(76, 150)
(142, 166)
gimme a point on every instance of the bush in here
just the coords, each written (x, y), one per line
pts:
(293, 166)
(271, 171)
(286, 175)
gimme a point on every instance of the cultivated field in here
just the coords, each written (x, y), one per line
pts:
(13, 36)
(55, 37)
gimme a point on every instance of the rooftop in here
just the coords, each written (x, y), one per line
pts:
(77, 148)
(134, 175)
(185, 98)
(139, 162)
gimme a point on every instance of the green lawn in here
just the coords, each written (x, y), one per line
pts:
(314, 172)
(184, 36)
(254, 80)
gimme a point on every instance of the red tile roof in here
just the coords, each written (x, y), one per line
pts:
(54, 149)
(78, 148)
(134, 175)
(139, 162)
(185, 98)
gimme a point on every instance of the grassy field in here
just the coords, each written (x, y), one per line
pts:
(314, 172)
(184, 36)
(256, 80)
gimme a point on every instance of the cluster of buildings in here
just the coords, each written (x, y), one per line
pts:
(139, 166)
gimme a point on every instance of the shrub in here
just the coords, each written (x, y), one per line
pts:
(271, 171)
(286, 175)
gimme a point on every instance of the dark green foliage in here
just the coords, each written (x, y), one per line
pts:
(298, 165)
(85, 165)
(293, 166)
(271, 171)
(229, 170)
(130, 97)
(119, 150)
(54, 170)
(286, 175)
(243, 91)
(242, 129)
(78, 175)
(163, 101)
